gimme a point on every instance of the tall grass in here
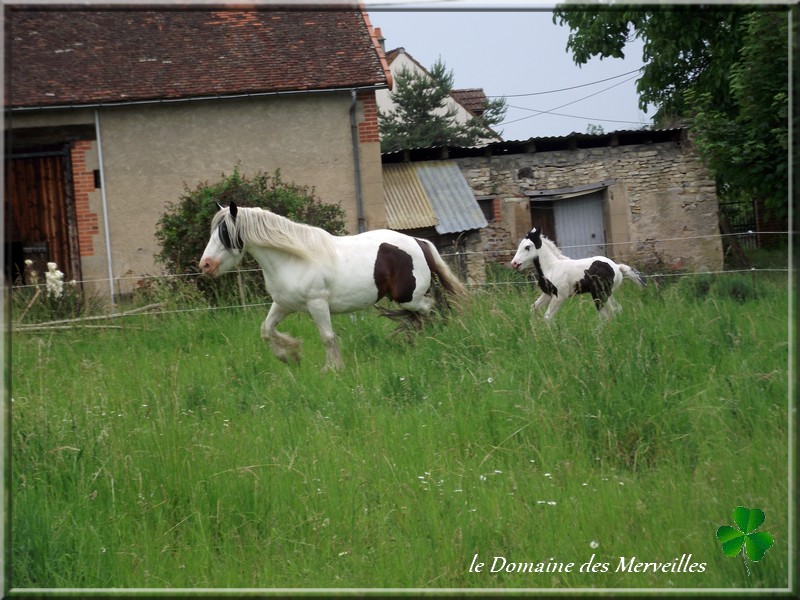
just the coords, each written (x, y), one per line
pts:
(177, 452)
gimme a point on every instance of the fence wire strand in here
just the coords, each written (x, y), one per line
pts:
(487, 253)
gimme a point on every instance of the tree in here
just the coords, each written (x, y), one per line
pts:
(422, 117)
(721, 70)
(747, 148)
(184, 228)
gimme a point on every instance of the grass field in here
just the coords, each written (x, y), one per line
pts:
(178, 452)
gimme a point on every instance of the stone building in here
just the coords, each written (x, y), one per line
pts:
(640, 197)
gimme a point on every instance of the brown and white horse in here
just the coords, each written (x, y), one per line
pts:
(306, 269)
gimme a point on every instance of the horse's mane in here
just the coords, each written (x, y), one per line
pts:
(265, 228)
(553, 248)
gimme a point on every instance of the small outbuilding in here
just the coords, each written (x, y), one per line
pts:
(641, 197)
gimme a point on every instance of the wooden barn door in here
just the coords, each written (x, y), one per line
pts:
(40, 214)
(579, 225)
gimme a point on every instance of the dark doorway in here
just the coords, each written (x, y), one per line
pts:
(40, 222)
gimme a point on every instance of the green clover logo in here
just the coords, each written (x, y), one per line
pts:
(733, 539)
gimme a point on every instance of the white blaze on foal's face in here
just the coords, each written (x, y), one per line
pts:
(527, 251)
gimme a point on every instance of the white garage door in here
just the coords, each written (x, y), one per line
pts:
(579, 225)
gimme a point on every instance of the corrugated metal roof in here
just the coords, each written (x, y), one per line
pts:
(430, 194)
(450, 196)
(407, 206)
(572, 141)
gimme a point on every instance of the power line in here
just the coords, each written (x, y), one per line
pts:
(574, 87)
(555, 114)
(541, 112)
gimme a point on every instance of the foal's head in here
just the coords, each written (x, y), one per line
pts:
(225, 248)
(528, 250)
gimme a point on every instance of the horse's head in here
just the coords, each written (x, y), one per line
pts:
(223, 252)
(527, 250)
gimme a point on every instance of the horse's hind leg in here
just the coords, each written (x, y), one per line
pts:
(320, 312)
(614, 305)
(285, 347)
(608, 308)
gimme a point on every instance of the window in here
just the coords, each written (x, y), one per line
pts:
(488, 204)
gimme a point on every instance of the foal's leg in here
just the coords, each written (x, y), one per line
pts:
(320, 312)
(285, 347)
(541, 302)
(553, 307)
(602, 290)
(614, 305)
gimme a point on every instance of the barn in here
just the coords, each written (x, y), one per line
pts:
(111, 113)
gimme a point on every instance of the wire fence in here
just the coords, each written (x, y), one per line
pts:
(484, 253)
(491, 255)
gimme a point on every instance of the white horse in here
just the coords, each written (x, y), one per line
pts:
(560, 277)
(306, 269)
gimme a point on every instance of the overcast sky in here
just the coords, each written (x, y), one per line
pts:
(513, 53)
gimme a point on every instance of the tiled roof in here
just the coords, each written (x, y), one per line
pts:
(473, 99)
(84, 56)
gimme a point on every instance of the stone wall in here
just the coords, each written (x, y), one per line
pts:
(660, 207)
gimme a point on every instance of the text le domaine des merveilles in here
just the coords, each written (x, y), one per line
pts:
(499, 564)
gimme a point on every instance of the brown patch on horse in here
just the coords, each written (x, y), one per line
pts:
(597, 281)
(394, 274)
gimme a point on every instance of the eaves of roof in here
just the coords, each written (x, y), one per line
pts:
(573, 141)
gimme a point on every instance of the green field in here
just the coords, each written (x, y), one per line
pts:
(178, 452)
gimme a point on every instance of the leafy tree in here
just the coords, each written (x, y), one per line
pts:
(720, 69)
(684, 47)
(747, 148)
(183, 231)
(422, 117)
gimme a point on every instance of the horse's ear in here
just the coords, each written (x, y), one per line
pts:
(233, 209)
(536, 237)
(218, 205)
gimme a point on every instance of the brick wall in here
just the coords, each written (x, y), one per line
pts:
(368, 127)
(83, 185)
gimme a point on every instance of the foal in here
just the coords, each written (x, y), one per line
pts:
(560, 277)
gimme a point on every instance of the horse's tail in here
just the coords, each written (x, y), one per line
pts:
(439, 267)
(633, 275)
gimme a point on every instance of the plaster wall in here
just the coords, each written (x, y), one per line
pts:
(151, 153)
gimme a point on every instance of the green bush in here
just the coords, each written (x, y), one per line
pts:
(183, 231)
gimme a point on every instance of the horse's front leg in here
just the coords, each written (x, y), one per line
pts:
(552, 307)
(285, 347)
(320, 312)
(541, 302)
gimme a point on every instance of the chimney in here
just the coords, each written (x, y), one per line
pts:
(381, 39)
